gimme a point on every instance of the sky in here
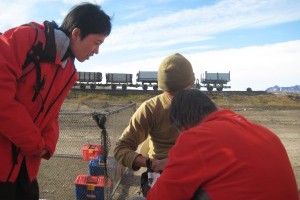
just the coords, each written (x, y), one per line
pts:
(257, 41)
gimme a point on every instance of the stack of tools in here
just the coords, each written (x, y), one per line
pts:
(91, 186)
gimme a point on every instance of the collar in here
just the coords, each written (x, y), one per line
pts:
(62, 43)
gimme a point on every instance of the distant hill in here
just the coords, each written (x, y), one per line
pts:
(295, 88)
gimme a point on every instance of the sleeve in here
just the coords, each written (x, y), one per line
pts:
(16, 123)
(136, 132)
(183, 173)
(50, 135)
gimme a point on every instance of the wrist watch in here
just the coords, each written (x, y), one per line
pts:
(148, 163)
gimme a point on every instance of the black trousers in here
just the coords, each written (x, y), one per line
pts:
(21, 189)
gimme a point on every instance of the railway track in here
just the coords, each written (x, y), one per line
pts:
(135, 91)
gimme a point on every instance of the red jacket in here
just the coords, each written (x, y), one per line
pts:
(18, 112)
(230, 158)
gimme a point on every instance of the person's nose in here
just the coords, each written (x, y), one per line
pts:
(96, 50)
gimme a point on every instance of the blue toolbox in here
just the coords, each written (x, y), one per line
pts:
(97, 166)
(91, 187)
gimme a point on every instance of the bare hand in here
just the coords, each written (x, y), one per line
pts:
(45, 154)
(158, 165)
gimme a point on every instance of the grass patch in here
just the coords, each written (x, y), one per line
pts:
(227, 99)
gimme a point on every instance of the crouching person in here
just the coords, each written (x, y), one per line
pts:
(150, 124)
(220, 155)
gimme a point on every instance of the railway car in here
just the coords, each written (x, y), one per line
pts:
(215, 80)
(119, 79)
(147, 78)
(91, 79)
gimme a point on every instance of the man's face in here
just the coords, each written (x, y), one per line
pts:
(84, 49)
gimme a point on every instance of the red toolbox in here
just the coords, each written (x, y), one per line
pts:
(91, 151)
(91, 187)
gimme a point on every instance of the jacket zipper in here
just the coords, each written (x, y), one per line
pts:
(46, 97)
(68, 82)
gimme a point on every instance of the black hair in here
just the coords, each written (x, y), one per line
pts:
(189, 108)
(89, 18)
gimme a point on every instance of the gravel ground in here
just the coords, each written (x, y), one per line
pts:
(57, 175)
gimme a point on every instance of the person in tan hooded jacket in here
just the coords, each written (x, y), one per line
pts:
(150, 122)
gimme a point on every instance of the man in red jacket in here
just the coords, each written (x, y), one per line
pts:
(220, 155)
(32, 92)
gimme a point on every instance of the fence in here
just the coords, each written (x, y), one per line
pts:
(57, 175)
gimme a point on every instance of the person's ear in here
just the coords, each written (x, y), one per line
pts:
(75, 34)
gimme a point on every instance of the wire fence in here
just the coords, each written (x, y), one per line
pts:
(77, 129)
